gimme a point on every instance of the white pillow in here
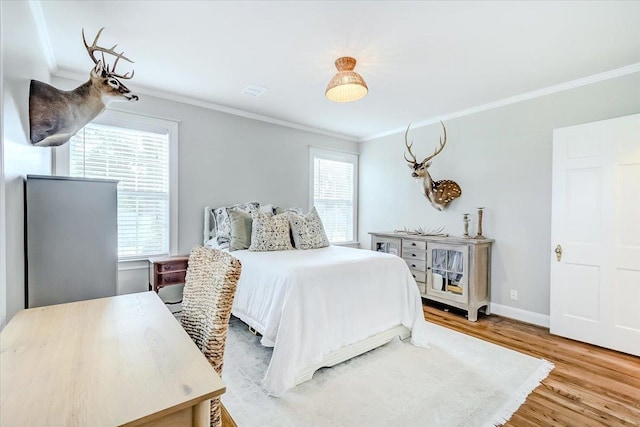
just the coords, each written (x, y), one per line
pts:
(278, 210)
(268, 209)
(213, 244)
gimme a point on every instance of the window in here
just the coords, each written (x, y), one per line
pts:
(333, 186)
(138, 156)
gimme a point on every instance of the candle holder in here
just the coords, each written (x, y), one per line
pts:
(480, 213)
(466, 220)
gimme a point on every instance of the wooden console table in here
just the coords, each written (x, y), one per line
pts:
(121, 360)
(451, 270)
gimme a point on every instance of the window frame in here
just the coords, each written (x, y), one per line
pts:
(341, 156)
(61, 163)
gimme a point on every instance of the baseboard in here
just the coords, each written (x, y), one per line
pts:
(521, 315)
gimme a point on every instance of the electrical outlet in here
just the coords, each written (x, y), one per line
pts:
(514, 294)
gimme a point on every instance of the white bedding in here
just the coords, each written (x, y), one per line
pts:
(309, 303)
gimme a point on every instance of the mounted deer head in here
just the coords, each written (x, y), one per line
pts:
(56, 115)
(439, 193)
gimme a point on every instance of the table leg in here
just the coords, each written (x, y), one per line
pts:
(202, 414)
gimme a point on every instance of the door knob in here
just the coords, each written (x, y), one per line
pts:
(558, 252)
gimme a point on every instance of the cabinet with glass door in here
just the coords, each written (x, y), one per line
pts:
(447, 271)
(388, 245)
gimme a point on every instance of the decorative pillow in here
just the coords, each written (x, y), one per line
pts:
(270, 233)
(277, 210)
(223, 226)
(240, 230)
(268, 209)
(307, 230)
(212, 243)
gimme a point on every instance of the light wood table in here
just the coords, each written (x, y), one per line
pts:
(123, 360)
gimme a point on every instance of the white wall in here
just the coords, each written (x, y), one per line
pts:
(226, 159)
(502, 160)
(3, 264)
(22, 60)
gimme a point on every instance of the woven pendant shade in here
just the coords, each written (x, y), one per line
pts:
(347, 85)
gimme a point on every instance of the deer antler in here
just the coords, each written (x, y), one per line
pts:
(439, 149)
(414, 161)
(95, 48)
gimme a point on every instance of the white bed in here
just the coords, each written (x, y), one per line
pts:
(320, 307)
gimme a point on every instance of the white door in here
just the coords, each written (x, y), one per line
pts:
(595, 286)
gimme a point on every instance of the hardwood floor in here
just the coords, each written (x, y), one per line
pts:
(590, 386)
(227, 419)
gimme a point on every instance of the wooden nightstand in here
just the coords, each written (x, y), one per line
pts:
(166, 271)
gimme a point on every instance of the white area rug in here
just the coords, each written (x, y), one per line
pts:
(458, 381)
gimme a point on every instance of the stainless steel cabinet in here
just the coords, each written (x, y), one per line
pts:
(71, 239)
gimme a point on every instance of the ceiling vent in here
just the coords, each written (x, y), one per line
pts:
(254, 90)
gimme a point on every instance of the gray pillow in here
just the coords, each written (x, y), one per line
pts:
(308, 231)
(270, 233)
(240, 235)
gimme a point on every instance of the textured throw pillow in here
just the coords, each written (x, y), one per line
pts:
(278, 210)
(268, 209)
(240, 235)
(223, 225)
(270, 233)
(307, 231)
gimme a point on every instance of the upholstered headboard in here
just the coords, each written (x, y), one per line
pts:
(209, 225)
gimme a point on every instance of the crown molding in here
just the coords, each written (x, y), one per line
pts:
(54, 70)
(71, 75)
(607, 75)
(43, 34)
(242, 113)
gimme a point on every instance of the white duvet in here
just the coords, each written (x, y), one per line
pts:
(309, 303)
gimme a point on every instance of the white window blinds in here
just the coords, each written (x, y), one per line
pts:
(139, 160)
(334, 193)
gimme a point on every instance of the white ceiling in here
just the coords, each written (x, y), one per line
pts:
(421, 60)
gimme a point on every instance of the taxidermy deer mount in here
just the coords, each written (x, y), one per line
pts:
(56, 115)
(439, 193)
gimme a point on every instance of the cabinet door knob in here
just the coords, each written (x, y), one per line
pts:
(413, 254)
(413, 244)
(413, 265)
